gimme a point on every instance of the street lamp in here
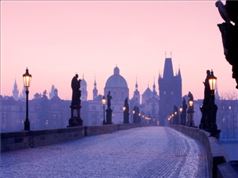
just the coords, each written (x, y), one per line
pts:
(190, 111)
(180, 115)
(209, 108)
(212, 82)
(104, 102)
(26, 82)
(180, 109)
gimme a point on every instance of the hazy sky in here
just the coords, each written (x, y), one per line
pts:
(56, 39)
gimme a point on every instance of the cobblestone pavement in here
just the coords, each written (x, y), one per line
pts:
(140, 152)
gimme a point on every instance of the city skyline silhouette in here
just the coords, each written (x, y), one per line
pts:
(55, 40)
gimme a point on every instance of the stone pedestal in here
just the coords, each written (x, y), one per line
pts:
(75, 119)
(108, 116)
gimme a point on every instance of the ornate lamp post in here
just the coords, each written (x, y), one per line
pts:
(26, 82)
(104, 102)
(184, 113)
(212, 83)
(209, 108)
(190, 112)
(213, 106)
(180, 115)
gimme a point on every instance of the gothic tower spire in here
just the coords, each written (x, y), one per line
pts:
(95, 90)
(15, 91)
(168, 68)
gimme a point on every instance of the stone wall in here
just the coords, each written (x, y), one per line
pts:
(217, 162)
(202, 137)
(21, 140)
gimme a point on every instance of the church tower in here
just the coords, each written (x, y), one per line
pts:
(15, 91)
(154, 89)
(95, 90)
(170, 91)
(83, 88)
(136, 96)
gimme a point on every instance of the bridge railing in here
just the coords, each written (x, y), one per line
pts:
(30, 139)
(214, 151)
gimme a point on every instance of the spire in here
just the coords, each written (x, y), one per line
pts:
(95, 90)
(52, 92)
(179, 73)
(168, 68)
(15, 91)
(83, 88)
(136, 86)
(154, 88)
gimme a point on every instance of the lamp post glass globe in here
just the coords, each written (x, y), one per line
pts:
(124, 108)
(26, 78)
(104, 101)
(212, 81)
(180, 109)
(190, 103)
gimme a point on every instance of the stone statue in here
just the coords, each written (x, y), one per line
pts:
(207, 91)
(190, 96)
(109, 98)
(75, 85)
(126, 112)
(75, 119)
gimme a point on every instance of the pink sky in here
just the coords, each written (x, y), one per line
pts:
(55, 40)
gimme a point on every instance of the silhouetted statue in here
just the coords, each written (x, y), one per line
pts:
(109, 98)
(109, 110)
(190, 110)
(75, 85)
(126, 112)
(229, 33)
(207, 91)
(184, 113)
(75, 120)
(136, 117)
(176, 117)
(190, 96)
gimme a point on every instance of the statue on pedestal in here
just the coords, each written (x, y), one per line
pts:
(75, 106)
(109, 110)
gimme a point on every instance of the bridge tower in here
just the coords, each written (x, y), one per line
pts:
(170, 91)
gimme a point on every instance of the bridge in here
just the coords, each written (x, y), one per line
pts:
(151, 151)
(114, 150)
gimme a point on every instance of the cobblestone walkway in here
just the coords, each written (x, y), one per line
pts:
(135, 153)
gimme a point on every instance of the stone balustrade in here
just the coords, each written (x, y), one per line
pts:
(21, 140)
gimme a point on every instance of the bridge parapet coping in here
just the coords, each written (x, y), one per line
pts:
(30, 139)
(215, 153)
(202, 137)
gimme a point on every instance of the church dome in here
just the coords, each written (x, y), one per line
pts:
(116, 80)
